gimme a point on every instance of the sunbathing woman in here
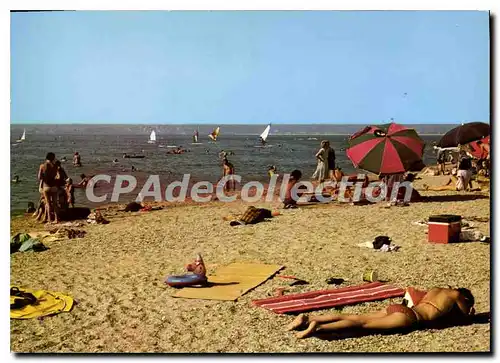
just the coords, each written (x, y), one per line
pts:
(438, 303)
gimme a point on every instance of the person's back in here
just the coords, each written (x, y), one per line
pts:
(61, 176)
(331, 158)
(439, 302)
(48, 173)
(465, 164)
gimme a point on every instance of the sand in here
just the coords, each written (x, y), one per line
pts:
(116, 275)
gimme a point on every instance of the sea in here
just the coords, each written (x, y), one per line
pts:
(289, 147)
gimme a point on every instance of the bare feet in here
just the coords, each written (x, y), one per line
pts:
(308, 332)
(297, 322)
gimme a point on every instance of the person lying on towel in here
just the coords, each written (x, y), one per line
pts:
(454, 304)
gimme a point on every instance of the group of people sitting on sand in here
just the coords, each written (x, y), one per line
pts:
(57, 191)
(387, 181)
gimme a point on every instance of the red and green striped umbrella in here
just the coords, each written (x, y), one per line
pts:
(385, 149)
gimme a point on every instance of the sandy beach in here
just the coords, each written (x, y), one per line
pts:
(116, 273)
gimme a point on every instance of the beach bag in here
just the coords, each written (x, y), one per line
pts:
(17, 241)
(255, 215)
(32, 244)
(20, 299)
(133, 207)
(380, 241)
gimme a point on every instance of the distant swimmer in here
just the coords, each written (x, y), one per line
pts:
(76, 159)
(63, 159)
(16, 179)
(222, 154)
(115, 161)
(85, 181)
(133, 168)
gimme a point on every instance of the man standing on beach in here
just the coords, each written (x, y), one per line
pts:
(441, 157)
(47, 174)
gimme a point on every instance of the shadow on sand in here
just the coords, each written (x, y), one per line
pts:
(451, 198)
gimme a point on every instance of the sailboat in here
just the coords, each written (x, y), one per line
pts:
(23, 136)
(195, 138)
(152, 137)
(213, 136)
(263, 136)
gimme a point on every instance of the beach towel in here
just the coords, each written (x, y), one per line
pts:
(46, 303)
(324, 299)
(231, 281)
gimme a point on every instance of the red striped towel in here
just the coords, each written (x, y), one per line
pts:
(323, 299)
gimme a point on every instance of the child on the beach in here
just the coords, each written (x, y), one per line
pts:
(70, 192)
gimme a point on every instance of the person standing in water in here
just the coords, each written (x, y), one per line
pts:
(76, 159)
(322, 158)
(228, 171)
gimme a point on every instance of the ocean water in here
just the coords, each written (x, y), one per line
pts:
(99, 146)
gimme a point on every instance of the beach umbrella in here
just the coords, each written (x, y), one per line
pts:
(476, 150)
(464, 134)
(386, 149)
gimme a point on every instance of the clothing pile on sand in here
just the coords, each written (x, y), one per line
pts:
(23, 242)
(381, 244)
(96, 218)
(252, 216)
(28, 303)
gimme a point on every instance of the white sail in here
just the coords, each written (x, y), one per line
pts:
(23, 136)
(214, 134)
(152, 137)
(265, 134)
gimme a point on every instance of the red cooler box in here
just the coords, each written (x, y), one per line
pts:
(445, 228)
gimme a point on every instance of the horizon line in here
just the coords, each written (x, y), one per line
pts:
(238, 124)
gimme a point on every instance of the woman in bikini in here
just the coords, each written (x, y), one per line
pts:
(438, 303)
(48, 187)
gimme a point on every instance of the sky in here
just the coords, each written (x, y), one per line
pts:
(245, 67)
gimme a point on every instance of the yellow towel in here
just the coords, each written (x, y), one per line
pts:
(46, 237)
(48, 303)
(230, 282)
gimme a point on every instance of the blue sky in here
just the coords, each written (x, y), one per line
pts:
(250, 67)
